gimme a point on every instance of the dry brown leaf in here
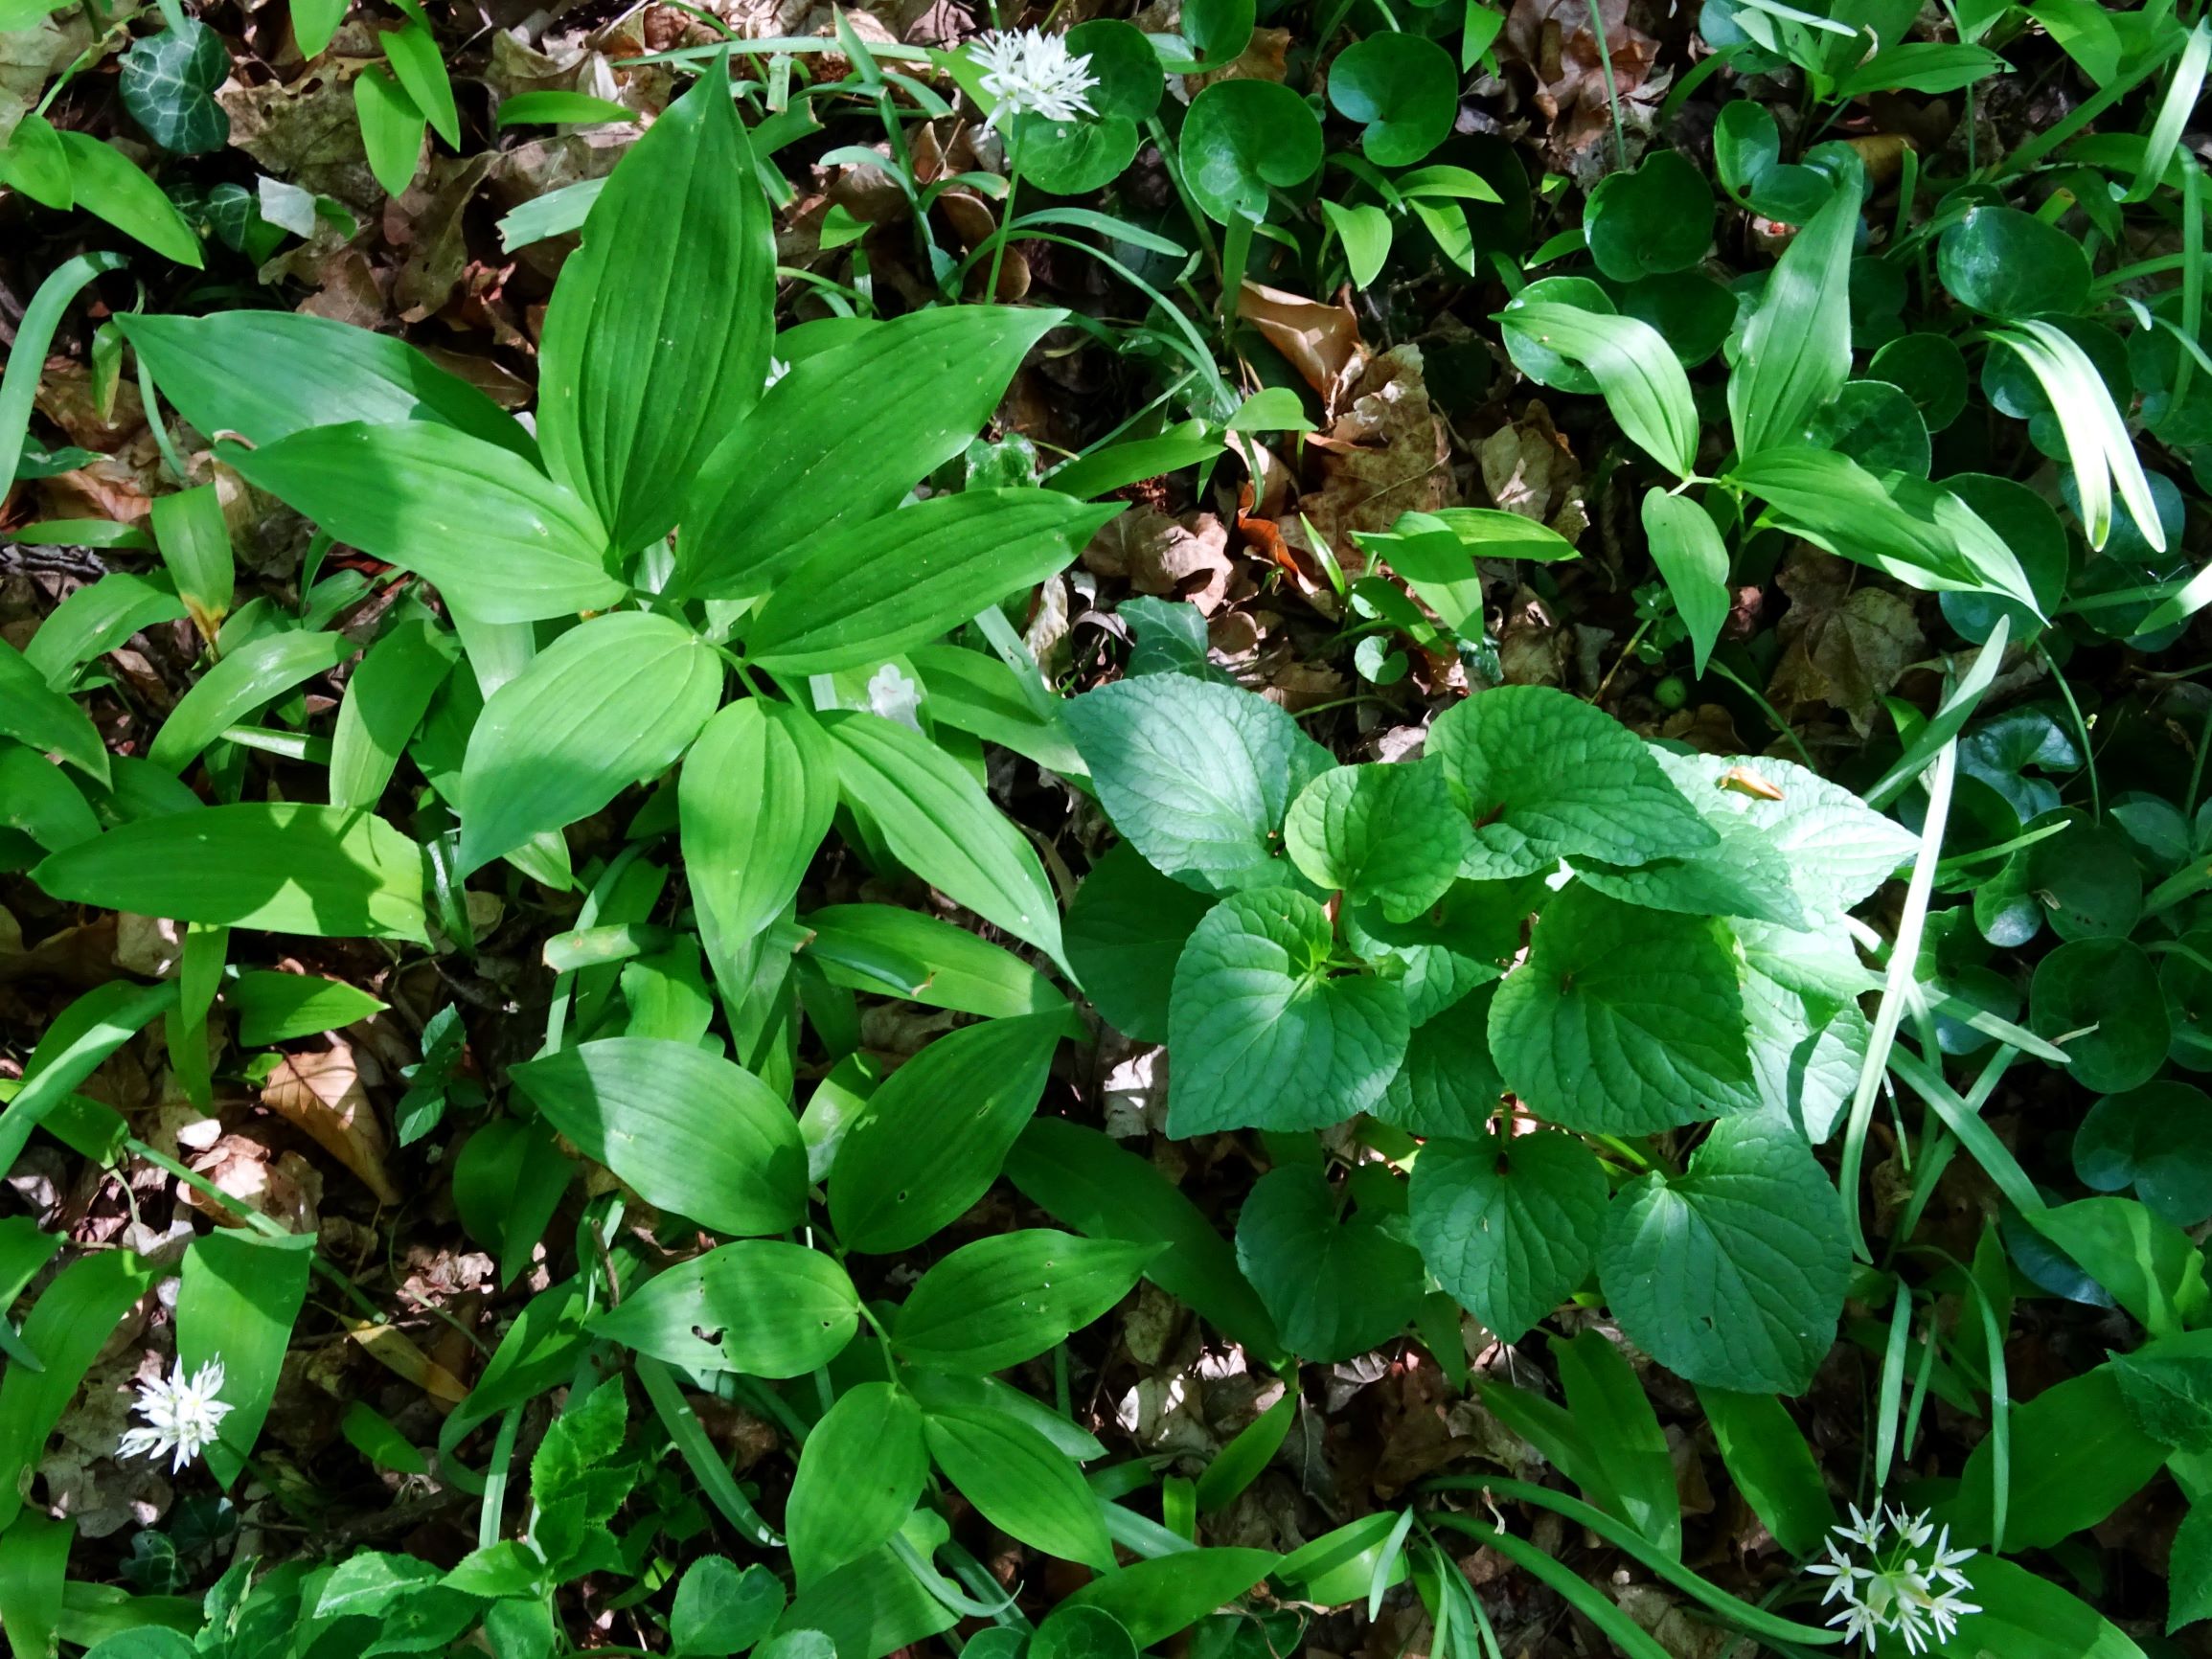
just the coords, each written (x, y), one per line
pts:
(321, 1093)
(1844, 645)
(392, 1347)
(1321, 341)
(1387, 454)
(1185, 559)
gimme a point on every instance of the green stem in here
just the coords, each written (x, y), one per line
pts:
(1006, 213)
(1613, 92)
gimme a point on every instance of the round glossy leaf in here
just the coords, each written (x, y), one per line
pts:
(1692, 311)
(1656, 219)
(2025, 523)
(2087, 880)
(1931, 370)
(1985, 989)
(2008, 264)
(1538, 361)
(1404, 89)
(1877, 296)
(1242, 138)
(1876, 424)
(1123, 62)
(1074, 157)
(2156, 1139)
(1082, 1633)
(1745, 143)
(2185, 974)
(2101, 995)
(1218, 29)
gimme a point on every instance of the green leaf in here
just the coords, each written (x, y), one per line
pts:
(37, 798)
(274, 1007)
(1242, 138)
(1616, 1418)
(35, 161)
(1009, 1297)
(2102, 996)
(1550, 776)
(2076, 1457)
(842, 438)
(96, 619)
(1020, 1482)
(1773, 1466)
(1364, 230)
(559, 109)
(1082, 1178)
(1403, 88)
(492, 531)
(80, 1037)
(1509, 1227)
(27, 356)
(235, 1303)
(1637, 372)
(859, 1475)
(2025, 1616)
(280, 865)
(866, 591)
(1656, 219)
(267, 374)
(2097, 440)
(938, 821)
(906, 1168)
(195, 546)
(767, 1308)
(391, 128)
(1335, 1288)
(2168, 1387)
(720, 1611)
(1436, 553)
(2188, 1579)
(34, 1582)
(1219, 31)
(2008, 264)
(2156, 1139)
(1154, 1600)
(1796, 351)
(44, 719)
(967, 974)
(1387, 834)
(612, 702)
(386, 696)
(412, 52)
(2150, 1266)
(1876, 424)
(1126, 929)
(255, 673)
(109, 186)
(168, 83)
(1693, 560)
(1731, 1275)
(1196, 775)
(1261, 1036)
(690, 1131)
(656, 342)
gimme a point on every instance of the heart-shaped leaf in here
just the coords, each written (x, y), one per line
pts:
(1242, 138)
(1509, 1227)
(168, 85)
(2156, 1139)
(1404, 88)
(1657, 218)
(1336, 1288)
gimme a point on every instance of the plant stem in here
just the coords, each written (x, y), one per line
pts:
(1613, 92)
(1006, 213)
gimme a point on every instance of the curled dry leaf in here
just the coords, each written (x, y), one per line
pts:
(1183, 558)
(321, 1093)
(1321, 341)
(1388, 453)
(395, 1351)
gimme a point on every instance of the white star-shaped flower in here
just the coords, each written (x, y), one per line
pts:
(1033, 72)
(895, 697)
(181, 1412)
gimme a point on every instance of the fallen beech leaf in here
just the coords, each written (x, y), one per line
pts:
(321, 1094)
(1322, 342)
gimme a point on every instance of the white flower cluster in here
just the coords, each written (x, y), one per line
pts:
(1033, 72)
(181, 1412)
(1908, 1589)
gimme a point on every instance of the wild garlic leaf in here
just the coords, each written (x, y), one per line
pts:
(1022, 1482)
(1624, 1021)
(1796, 352)
(1510, 1227)
(1550, 776)
(1335, 1287)
(1389, 833)
(767, 1308)
(1732, 1274)
(1196, 775)
(860, 1474)
(1010, 1297)
(1260, 1035)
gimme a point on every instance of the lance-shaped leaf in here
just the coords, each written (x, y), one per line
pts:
(1637, 371)
(1796, 352)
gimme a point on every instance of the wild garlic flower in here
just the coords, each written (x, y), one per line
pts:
(1033, 72)
(1906, 1588)
(181, 1412)
(777, 370)
(895, 697)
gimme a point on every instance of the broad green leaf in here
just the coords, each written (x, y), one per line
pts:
(1766, 1457)
(1732, 1274)
(256, 674)
(490, 531)
(842, 438)
(42, 718)
(386, 696)
(968, 974)
(34, 1582)
(1387, 834)
(109, 186)
(412, 52)
(689, 1131)
(974, 692)
(560, 110)
(1082, 1178)
(267, 374)
(1796, 352)
(1436, 553)
(720, 1611)
(2025, 1616)
(1260, 1035)
(2148, 1265)
(1637, 372)
(1402, 88)
(2076, 1456)
(280, 866)
(859, 1475)
(391, 128)
(2156, 1139)
(1020, 1482)
(27, 354)
(2191, 1567)
(1155, 1598)
(274, 1007)
(1243, 137)
(195, 546)
(1550, 776)
(2168, 1387)
(1009, 1297)
(1196, 775)
(866, 591)
(1509, 1227)
(97, 618)
(36, 163)
(314, 22)
(612, 702)
(1334, 1287)
(767, 1308)
(938, 821)
(1364, 230)
(1653, 220)
(37, 798)
(168, 83)
(907, 1167)
(235, 1302)
(71, 1321)
(656, 342)
(2012, 264)
(1448, 1085)
(1610, 1410)
(1743, 875)
(2102, 996)
(875, 1605)
(1126, 929)
(1693, 562)
(1837, 849)
(71, 1048)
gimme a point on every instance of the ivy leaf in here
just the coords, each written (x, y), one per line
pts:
(1550, 777)
(1196, 775)
(168, 85)
(1260, 1036)
(1509, 1227)
(1336, 1288)
(1389, 833)
(1624, 1021)
(1732, 1275)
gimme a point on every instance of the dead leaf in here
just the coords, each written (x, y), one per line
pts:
(394, 1349)
(1844, 645)
(1321, 341)
(1388, 453)
(321, 1093)
(1183, 558)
